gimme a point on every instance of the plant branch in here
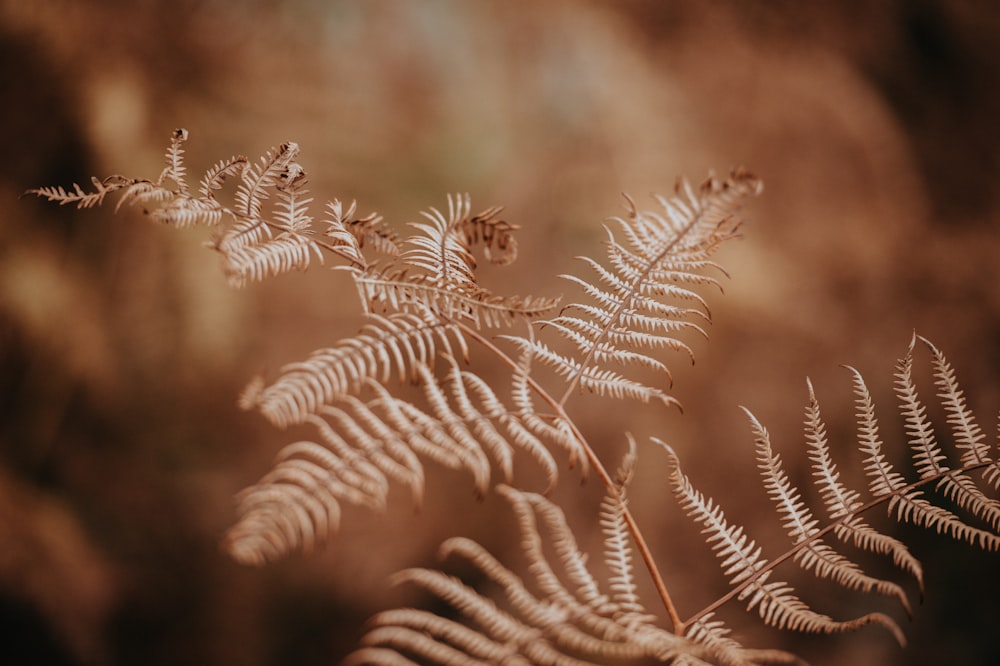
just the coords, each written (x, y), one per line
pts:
(595, 462)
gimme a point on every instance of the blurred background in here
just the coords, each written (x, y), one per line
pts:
(122, 351)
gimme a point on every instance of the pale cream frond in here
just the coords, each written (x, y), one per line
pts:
(652, 275)
(253, 245)
(436, 270)
(554, 428)
(842, 503)
(494, 235)
(364, 444)
(263, 176)
(215, 177)
(439, 247)
(617, 542)
(424, 634)
(287, 251)
(929, 459)
(292, 212)
(183, 211)
(560, 616)
(966, 432)
(395, 344)
(353, 233)
(594, 380)
(81, 198)
(749, 573)
(392, 289)
(800, 523)
(906, 500)
(175, 169)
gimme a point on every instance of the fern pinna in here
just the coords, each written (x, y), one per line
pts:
(425, 308)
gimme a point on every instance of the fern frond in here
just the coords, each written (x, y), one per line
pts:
(558, 430)
(366, 444)
(293, 200)
(251, 249)
(776, 602)
(180, 211)
(634, 307)
(285, 252)
(436, 272)
(905, 500)
(264, 175)
(495, 236)
(561, 618)
(618, 548)
(395, 289)
(842, 504)
(252, 245)
(592, 379)
(399, 342)
(215, 177)
(175, 169)
(928, 457)
(346, 229)
(440, 249)
(81, 198)
(801, 524)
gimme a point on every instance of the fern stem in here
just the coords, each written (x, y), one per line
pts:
(595, 462)
(633, 528)
(794, 550)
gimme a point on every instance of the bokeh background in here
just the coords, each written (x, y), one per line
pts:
(873, 125)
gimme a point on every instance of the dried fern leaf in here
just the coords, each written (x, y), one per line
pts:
(175, 169)
(749, 572)
(561, 617)
(253, 246)
(644, 297)
(251, 249)
(274, 256)
(565, 619)
(904, 499)
(495, 236)
(355, 233)
(392, 289)
(801, 525)
(81, 198)
(396, 343)
(436, 270)
(215, 177)
(592, 379)
(617, 542)
(263, 176)
(366, 444)
(293, 200)
(842, 503)
(928, 456)
(182, 211)
(554, 428)
(439, 247)
(907, 501)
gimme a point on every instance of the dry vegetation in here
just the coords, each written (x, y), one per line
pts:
(122, 348)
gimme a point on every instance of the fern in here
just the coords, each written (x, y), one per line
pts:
(904, 500)
(402, 392)
(640, 304)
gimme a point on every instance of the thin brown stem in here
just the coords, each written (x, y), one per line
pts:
(602, 473)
